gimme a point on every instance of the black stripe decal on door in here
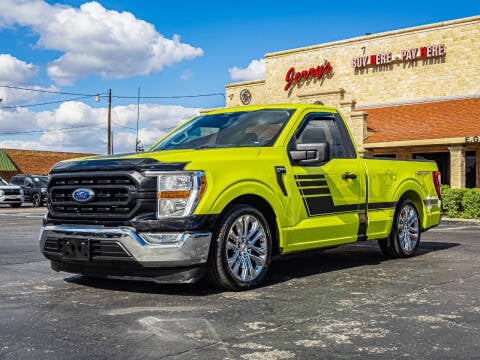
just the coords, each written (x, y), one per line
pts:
(318, 200)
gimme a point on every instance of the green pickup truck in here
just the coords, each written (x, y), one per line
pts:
(226, 191)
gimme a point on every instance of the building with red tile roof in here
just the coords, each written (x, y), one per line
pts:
(454, 119)
(13, 162)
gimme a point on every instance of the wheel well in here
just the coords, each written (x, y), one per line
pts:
(264, 207)
(417, 201)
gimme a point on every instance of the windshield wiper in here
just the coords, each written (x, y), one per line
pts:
(215, 146)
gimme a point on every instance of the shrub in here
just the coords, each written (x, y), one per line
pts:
(452, 201)
(461, 203)
(471, 204)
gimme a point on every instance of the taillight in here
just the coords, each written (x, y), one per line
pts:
(437, 181)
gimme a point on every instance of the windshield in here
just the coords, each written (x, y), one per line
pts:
(3, 182)
(235, 129)
(41, 181)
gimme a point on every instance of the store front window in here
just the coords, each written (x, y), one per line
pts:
(443, 162)
(471, 169)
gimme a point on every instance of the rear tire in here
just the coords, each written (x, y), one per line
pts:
(241, 250)
(404, 237)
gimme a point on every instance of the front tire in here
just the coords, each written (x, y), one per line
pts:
(404, 237)
(241, 250)
(16, 205)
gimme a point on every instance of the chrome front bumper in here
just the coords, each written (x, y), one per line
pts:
(11, 199)
(190, 248)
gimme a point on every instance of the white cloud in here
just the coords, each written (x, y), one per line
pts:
(23, 145)
(70, 113)
(95, 40)
(15, 71)
(254, 71)
(20, 120)
(186, 75)
(13, 97)
(84, 129)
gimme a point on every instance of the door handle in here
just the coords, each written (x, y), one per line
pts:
(347, 176)
(279, 171)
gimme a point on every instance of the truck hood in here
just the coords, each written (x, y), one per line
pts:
(165, 160)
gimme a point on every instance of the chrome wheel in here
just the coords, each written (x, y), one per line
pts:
(408, 229)
(246, 248)
(404, 237)
(241, 249)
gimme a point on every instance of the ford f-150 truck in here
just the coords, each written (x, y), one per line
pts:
(226, 191)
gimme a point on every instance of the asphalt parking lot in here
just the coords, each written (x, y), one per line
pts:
(343, 303)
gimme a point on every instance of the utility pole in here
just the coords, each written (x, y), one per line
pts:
(137, 142)
(109, 120)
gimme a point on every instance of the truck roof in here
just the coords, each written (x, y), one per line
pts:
(274, 106)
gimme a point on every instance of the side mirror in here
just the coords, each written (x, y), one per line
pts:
(310, 154)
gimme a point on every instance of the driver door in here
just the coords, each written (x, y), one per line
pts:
(326, 196)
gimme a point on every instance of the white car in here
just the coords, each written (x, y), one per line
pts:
(11, 194)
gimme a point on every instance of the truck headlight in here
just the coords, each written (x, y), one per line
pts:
(1, 192)
(178, 193)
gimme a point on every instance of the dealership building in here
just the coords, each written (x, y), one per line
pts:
(412, 93)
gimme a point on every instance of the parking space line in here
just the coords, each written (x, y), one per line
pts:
(440, 229)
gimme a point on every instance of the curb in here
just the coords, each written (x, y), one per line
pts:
(462, 221)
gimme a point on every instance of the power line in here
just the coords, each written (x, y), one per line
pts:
(123, 126)
(168, 97)
(105, 95)
(48, 91)
(45, 103)
(69, 129)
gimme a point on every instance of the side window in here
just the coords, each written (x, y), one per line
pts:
(318, 130)
(28, 182)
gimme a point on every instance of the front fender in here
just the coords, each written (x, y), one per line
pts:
(252, 187)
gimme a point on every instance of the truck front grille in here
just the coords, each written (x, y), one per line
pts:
(115, 196)
(11, 192)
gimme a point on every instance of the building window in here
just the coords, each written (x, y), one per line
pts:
(471, 169)
(443, 162)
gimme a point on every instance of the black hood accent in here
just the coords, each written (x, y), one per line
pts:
(110, 163)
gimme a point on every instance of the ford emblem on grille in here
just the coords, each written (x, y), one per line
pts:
(83, 195)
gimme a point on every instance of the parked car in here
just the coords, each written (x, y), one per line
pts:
(34, 187)
(10, 194)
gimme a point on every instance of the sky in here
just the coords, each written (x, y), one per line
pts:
(163, 61)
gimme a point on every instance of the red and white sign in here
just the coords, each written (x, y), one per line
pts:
(293, 77)
(423, 52)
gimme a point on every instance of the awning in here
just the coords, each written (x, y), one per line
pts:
(5, 163)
